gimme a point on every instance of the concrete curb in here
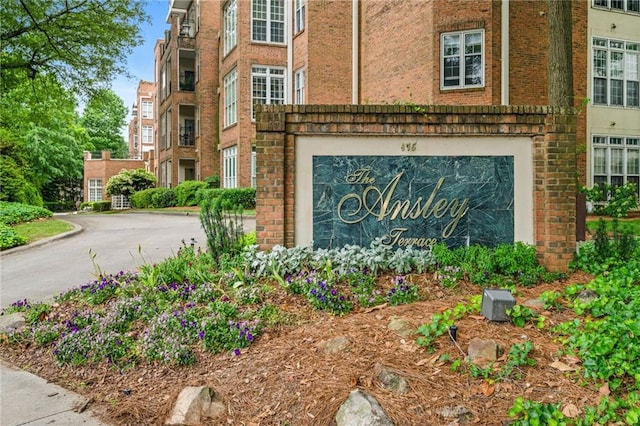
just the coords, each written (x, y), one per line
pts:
(76, 230)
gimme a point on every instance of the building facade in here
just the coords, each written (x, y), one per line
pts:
(443, 52)
(142, 124)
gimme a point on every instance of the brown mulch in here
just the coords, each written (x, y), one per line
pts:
(286, 377)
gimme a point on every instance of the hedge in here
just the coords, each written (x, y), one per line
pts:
(243, 197)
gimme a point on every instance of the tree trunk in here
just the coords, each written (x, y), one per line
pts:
(560, 57)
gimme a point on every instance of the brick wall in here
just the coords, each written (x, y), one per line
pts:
(104, 168)
(553, 141)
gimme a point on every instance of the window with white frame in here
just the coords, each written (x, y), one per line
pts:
(231, 98)
(230, 172)
(267, 21)
(300, 11)
(147, 109)
(616, 72)
(619, 5)
(462, 59)
(95, 190)
(616, 160)
(230, 26)
(147, 135)
(267, 86)
(299, 82)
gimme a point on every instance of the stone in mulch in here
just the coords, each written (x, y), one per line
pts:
(361, 409)
(390, 379)
(194, 405)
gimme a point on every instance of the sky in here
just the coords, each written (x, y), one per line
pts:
(140, 62)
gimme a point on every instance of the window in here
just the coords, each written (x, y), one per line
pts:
(619, 5)
(267, 21)
(95, 190)
(230, 26)
(299, 82)
(147, 135)
(300, 8)
(147, 109)
(231, 98)
(163, 131)
(462, 63)
(616, 160)
(267, 86)
(230, 171)
(616, 73)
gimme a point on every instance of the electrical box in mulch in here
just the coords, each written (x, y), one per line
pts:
(495, 303)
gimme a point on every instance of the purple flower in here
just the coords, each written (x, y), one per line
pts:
(236, 352)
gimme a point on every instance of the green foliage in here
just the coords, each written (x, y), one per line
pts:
(612, 200)
(163, 197)
(522, 315)
(79, 43)
(515, 263)
(100, 206)
(9, 238)
(606, 340)
(14, 183)
(186, 192)
(243, 197)
(128, 182)
(531, 413)
(14, 213)
(103, 117)
(517, 358)
(441, 322)
(213, 181)
(608, 249)
(142, 199)
(223, 226)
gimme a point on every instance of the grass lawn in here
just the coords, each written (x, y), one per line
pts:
(39, 229)
(629, 224)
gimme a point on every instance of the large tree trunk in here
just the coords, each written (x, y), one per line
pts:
(560, 58)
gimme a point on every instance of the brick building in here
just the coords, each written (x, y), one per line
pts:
(142, 124)
(442, 52)
(99, 168)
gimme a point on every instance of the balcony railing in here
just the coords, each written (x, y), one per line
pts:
(187, 137)
(187, 85)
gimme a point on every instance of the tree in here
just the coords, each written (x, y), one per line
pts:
(83, 43)
(41, 140)
(560, 54)
(104, 117)
(128, 182)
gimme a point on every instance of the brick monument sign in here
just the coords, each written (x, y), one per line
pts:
(331, 175)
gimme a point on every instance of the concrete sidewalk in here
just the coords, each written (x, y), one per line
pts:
(26, 399)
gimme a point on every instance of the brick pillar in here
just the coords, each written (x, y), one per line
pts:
(555, 187)
(270, 178)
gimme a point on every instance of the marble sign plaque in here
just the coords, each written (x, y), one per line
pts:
(414, 200)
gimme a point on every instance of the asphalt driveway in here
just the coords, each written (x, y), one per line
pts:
(109, 243)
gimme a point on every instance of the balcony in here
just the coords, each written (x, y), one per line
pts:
(187, 136)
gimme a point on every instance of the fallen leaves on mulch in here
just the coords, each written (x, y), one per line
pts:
(286, 377)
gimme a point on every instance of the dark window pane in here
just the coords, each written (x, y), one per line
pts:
(617, 92)
(473, 70)
(600, 91)
(633, 95)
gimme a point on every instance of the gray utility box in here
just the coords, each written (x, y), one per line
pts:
(495, 303)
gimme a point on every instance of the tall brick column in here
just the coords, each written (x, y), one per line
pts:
(555, 187)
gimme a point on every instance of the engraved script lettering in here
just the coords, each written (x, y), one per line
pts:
(354, 208)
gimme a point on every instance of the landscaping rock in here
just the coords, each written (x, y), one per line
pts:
(390, 379)
(401, 326)
(482, 351)
(535, 304)
(335, 345)
(361, 409)
(586, 296)
(194, 405)
(12, 322)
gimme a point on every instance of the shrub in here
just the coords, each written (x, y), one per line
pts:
(223, 227)
(612, 200)
(9, 238)
(101, 206)
(142, 199)
(186, 192)
(128, 182)
(14, 213)
(244, 197)
(163, 197)
(213, 181)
